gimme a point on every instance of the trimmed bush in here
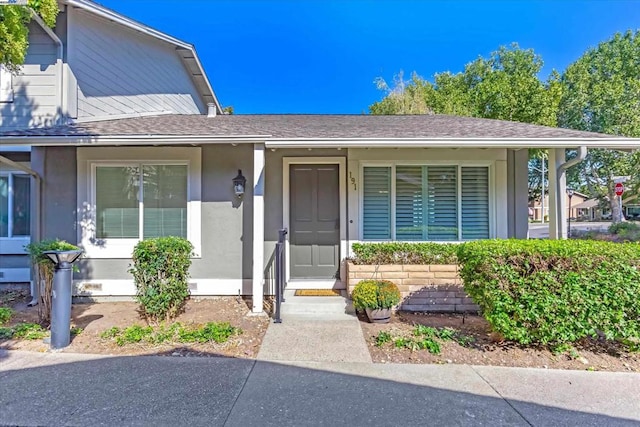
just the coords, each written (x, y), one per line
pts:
(404, 253)
(375, 294)
(628, 231)
(161, 272)
(45, 269)
(552, 292)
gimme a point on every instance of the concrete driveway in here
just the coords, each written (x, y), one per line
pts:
(72, 389)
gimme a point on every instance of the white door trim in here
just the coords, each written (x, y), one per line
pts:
(342, 177)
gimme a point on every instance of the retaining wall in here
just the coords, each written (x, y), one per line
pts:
(430, 288)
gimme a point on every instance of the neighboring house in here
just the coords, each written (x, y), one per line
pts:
(331, 180)
(577, 210)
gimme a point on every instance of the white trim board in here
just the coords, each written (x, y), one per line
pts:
(342, 178)
(203, 287)
(88, 158)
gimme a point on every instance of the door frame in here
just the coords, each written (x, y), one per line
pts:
(286, 197)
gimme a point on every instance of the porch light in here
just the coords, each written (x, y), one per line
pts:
(239, 183)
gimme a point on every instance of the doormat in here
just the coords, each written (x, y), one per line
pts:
(317, 293)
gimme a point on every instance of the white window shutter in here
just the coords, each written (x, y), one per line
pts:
(409, 203)
(6, 87)
(442, 203)
(475, 203)
(377, 203)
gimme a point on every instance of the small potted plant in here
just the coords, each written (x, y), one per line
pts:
(376, 298)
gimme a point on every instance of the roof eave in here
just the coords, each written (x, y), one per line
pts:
(515, 143)
(270, 142)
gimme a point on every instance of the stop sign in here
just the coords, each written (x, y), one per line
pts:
(619, 189)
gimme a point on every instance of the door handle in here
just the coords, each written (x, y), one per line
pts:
(338, 224)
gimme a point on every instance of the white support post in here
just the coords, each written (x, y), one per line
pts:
(258, 228)
(557, 198)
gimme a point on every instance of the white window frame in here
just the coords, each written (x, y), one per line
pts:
(458, 164)
(6, 85)
(11, 244)
(90, 159)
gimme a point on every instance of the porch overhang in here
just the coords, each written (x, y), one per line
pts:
(626, 144)
(456, 143)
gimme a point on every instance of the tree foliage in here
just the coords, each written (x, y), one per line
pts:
(602, 94)
(14, 29)
(503, 86)
(602, 88)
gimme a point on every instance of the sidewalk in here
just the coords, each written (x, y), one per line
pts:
(73, 389)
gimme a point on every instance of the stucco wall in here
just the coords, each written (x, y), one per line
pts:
(225, 261)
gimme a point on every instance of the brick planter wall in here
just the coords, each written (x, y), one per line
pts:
(432, 288)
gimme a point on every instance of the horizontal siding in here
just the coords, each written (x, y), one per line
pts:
(120, 71)
(35, 101)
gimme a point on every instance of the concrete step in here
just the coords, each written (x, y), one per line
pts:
(317, 307)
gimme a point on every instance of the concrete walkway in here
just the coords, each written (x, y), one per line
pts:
(315, 329)
(61, 389)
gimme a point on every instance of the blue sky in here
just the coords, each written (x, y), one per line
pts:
(322, 56)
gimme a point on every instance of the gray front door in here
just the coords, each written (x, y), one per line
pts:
(314, 238)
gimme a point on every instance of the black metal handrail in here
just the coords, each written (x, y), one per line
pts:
(280, 277)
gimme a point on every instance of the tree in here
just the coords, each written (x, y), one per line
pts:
(14, 29)
(405, 97)
(601, 94)
(504, 86)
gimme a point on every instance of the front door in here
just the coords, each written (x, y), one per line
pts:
(314, 238)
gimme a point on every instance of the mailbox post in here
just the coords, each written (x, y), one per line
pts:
(61, 296)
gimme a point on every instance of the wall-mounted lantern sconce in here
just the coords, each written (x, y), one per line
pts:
(239, 183)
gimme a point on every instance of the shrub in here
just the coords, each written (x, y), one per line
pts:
(553, 292)
(44, 269)
(375, 294)
(29, 331)
(5, 314)
(404, 253)
(161, 272)
(628, 231)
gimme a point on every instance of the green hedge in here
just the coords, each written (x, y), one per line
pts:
(404, 253)
(551, 292)
(161, 273)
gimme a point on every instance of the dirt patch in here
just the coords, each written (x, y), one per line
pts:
(486, 348)
(95, 318)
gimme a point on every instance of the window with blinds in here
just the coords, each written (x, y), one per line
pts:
(377, 203)
(123, 192)
(440, 203)
(15, 205)
(475, 203)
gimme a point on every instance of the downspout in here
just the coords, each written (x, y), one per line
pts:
(36, 233)
(560, 179)
(59, 65)
(582, 154)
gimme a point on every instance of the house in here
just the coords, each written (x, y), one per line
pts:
(139, 148)
(576, 211)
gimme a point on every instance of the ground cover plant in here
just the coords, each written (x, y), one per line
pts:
(422, 338)
(218, 332)
(553, 292)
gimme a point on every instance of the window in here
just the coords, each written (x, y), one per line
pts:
(416, 202)
(6, 88)
(15, 205)
(141, 201)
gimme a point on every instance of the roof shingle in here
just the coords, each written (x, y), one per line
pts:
(299, 126)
